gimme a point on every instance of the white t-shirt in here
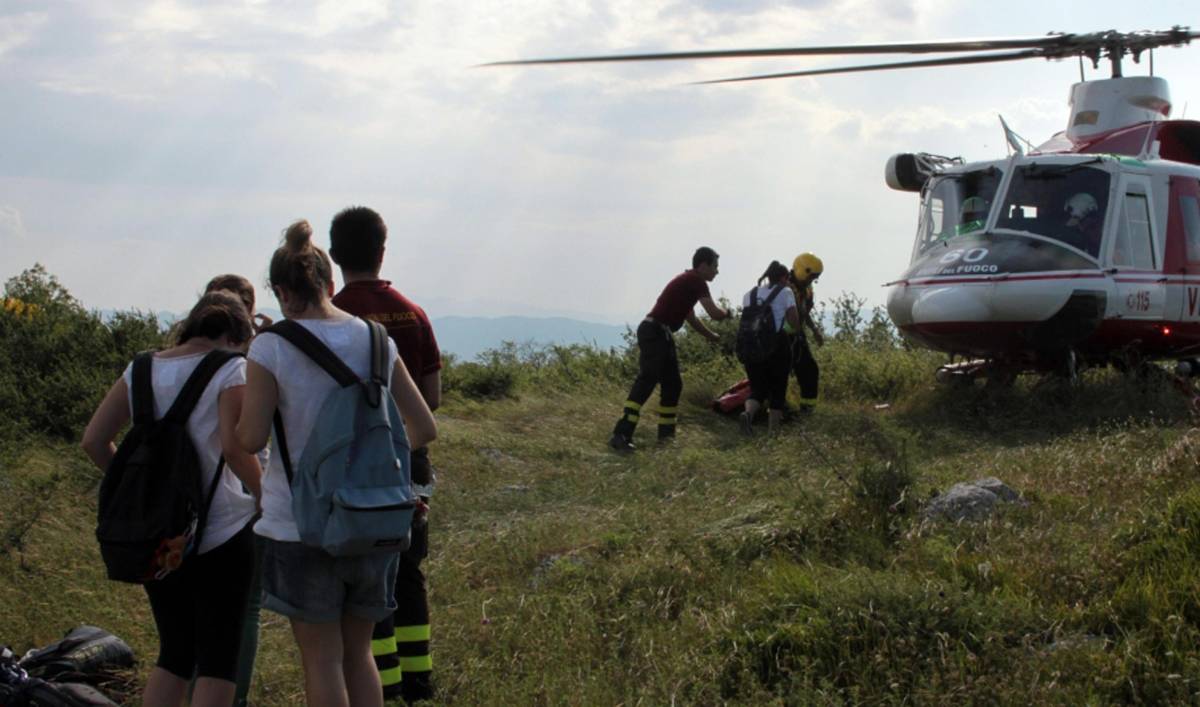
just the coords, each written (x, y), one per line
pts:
(303, 387)
(779, 306)
(232, 507)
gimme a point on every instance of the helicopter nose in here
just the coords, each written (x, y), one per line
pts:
(952, 304)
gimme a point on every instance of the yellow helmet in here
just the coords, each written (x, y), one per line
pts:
(806, 265)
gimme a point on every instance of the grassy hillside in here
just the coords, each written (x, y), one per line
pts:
(720, 569)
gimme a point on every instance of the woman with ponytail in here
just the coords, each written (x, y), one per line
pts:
(198, 608)
(769, 378)
(332, 603)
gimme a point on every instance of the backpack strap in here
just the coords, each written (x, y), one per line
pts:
(753, 296)
(142, 391)
(186, 401)
(774, 293)
(281, 441)
(379, 363)
(208, 499)
(315, 349)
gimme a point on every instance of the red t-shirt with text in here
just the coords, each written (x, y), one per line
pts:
(406, 323)
(678, 299)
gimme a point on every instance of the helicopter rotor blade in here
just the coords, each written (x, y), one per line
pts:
(967, 45)
(944, 61)
(1093, 45)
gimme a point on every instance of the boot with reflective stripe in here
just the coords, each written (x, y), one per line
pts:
(383, 648)
(416, 664)
(666, 422)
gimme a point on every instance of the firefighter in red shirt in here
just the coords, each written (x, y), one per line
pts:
(401, 644)
(658, 364)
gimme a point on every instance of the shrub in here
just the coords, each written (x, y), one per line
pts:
(58, 358)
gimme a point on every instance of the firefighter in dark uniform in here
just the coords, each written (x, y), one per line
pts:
(658, 363)
(806, 268)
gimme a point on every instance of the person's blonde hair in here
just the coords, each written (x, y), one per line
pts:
(300, 267)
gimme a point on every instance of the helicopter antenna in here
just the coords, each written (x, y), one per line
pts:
(1014, 140)
(1151, 61)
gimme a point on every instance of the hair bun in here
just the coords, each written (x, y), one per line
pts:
(299, 235)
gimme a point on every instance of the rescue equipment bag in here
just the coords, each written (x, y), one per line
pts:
(757, 335)
(732, 399)
(152, 505)
(352, 487)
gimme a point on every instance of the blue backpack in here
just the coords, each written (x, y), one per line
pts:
(351, 491)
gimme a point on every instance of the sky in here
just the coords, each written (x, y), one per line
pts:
(146, 146)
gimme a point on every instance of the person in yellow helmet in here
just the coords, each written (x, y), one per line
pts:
(806, 268)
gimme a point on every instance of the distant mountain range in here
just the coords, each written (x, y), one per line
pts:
(467, 337)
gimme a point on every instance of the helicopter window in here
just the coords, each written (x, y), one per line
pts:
(957, 205)
(1191, 226)
(1134, 233)
(1066, 203)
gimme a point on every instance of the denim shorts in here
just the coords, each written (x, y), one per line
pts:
(307, 584)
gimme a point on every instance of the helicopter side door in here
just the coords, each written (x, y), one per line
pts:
(1183, 240)
(1136, 253)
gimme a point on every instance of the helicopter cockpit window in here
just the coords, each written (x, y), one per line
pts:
(957, 205)
(1064, 202)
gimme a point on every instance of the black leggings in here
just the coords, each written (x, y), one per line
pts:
(769, 379)
(198, 610)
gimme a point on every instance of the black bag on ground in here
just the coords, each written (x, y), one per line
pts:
(20, 689)
(152, 505)
(39, 693)
(757, 335)
(86, 654)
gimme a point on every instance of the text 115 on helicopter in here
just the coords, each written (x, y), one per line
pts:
(1083, 250)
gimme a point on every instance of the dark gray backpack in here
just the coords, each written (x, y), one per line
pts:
(757, 335)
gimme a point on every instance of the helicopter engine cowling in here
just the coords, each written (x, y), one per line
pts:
(908, 171)
(902, 173)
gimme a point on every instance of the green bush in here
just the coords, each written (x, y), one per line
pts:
(480, 381)
(58, 359)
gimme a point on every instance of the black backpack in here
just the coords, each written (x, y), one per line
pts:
(20, 689)
(152, 504)
(85, 654)
(757, 336)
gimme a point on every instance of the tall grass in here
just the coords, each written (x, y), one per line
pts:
(720, 569)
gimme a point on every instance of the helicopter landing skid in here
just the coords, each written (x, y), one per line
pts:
(996, 374)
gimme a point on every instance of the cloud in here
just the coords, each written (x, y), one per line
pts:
(11, 225)
(16, 30)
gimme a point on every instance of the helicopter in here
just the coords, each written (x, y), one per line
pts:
(1081, 251)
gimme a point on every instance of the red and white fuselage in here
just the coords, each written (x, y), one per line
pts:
(1090, 246)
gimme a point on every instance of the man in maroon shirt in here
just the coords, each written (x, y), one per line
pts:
(400, 644)
(658, 364)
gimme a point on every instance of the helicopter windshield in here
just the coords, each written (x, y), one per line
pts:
(1064, 202)
(957, 205)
